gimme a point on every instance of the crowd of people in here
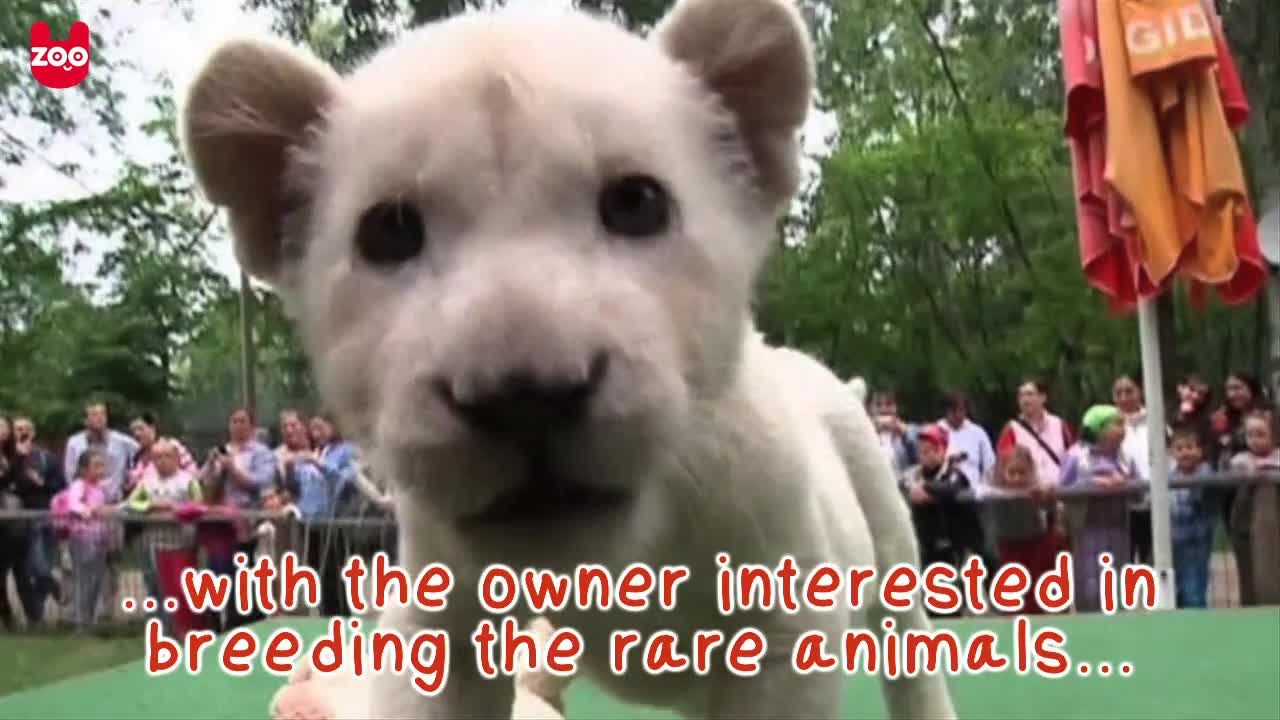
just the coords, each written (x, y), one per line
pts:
(243, 497)
(1022, 516)
(98, 494)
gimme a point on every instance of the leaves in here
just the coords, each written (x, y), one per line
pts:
(51, 113)
(937, 252)
(941, 251)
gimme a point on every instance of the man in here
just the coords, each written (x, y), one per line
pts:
(43, 480)
(118, 447)
(969, 446)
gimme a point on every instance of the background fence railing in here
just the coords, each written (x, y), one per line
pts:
(81, 577)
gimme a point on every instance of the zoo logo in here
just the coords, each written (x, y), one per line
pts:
(60, 65)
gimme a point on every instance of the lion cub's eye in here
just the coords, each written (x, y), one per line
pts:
(634, 206)
(390, 233)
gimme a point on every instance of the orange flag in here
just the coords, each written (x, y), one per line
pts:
(1157, 134)
(1170, 153)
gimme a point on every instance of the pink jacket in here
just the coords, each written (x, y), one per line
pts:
(82, 499)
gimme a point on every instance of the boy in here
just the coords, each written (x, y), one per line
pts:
(948, 530)
(1191, 519)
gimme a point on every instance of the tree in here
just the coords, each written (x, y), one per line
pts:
(347, 31)
(941, 248)
(47, 114)
(937, 251)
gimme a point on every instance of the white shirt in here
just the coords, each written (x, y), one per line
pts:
(972, 441)
(1137, 446)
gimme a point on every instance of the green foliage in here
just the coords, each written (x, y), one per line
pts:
(941, 246)
(938, 250)
(344, 32)
(50, 112)
(127, 335)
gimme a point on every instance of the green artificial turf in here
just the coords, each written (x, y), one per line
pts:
(1187, 664)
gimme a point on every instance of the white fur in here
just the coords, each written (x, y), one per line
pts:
(501, 128)
(859, 388)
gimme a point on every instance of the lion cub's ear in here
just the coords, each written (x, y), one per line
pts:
(758, 57)
(248, 108)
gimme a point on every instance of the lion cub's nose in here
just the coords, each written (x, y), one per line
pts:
(522, 405)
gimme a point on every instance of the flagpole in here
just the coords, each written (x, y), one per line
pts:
(1153, 389)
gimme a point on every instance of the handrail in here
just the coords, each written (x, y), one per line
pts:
(1133, 489)
(1218, 480)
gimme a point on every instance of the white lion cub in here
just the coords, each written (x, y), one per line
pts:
(520, 250)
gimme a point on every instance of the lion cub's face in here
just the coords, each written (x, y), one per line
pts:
(520, 250)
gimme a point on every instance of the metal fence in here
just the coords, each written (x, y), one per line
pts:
(78, 574)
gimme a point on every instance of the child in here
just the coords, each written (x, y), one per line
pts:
(89, 535)
(273, 537)
(1098, 462)
(1026, 528)
(268, 533)
(1192, 513)
(167, 548)
(216, 534)
(1255, 513)
(949, 531)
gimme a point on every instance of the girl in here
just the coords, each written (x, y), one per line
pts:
(89, 534)
(217, 534)
(1026, 525)
(1255, 514)
(167, 549)
(1100, 463)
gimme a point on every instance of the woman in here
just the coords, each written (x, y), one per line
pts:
(332, 464)
(335, 455)
(1127, 398)
(1047, 437)
(1242, 394)
(235, 475)
(1044, 434)
(295, 444)
(896, 436)
(142, 465)
(1194, 401)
